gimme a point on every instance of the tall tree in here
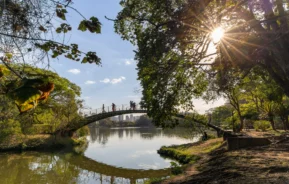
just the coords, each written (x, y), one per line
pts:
(54, 112)
(173, 41)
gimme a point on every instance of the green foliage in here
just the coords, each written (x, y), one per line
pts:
(153, 180)
(56, 111)
(29, 30)
(84, 131)
(9, 127)
(93, 25)
(221, 114)
(71, 52)
(60, 12)
(262, 125)
(173, 39)
(176, 169)
(182, 157)
(63, 28)
(168, 79)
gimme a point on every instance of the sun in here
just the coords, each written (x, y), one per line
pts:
(217, 34)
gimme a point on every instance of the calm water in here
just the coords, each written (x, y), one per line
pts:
(124, 155)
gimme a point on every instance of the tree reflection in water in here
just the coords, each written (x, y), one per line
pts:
(101, 135)
(39, 167)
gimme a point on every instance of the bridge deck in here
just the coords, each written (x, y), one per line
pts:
(96, 117)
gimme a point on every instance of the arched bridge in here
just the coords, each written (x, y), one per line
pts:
(101, 114)
(98, 114)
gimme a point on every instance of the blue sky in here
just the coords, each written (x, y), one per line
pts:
(116, 80)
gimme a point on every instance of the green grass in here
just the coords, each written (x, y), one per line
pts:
(154, 180)
(190, 153)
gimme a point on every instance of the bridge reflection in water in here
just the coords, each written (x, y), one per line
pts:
(116, 173)
(37, 167)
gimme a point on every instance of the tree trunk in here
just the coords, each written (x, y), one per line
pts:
(272, 122)
(239, 129)
(285, 122)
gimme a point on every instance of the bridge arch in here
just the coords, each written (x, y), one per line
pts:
(72, 127)
(108, 170)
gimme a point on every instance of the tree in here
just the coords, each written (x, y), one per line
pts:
(25, 27)
(27, 32)
(173, 45)
(56, 111)
(221, 114)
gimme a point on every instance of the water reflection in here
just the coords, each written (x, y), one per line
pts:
(102, 135)
(37, 167)
(133, 147)
(123, 155)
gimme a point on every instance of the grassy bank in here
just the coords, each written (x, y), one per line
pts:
(190, 153)
(38, 142)
(263, 164)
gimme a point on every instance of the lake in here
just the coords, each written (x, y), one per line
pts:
(113, 155)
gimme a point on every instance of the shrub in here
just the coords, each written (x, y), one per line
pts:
(84, 131)
(9, 127)
(176, 169)
(262, 125)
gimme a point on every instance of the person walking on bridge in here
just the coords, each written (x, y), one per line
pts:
(103, 110)
(113, 107)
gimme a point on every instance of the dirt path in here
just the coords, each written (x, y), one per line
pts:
(269, 164)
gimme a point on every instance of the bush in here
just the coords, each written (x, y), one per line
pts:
(262, 125)
(176, 169)
(9, 127)
(84, 131)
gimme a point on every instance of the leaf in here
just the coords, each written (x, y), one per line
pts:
(93, 25)
(58, 30)
(41, 28)
(84, 60)
(55, 54)
(61, 13)
(91, 57)
(82, 26)
(8, 55)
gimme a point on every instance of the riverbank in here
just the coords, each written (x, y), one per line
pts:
(266, 164)
(39, 142)
(190, 153)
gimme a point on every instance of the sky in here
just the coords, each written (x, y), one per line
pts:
(115, 81)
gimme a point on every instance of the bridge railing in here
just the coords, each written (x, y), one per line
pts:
(107, 109)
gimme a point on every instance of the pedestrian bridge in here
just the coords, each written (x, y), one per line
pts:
(101, 114)
(87, 119)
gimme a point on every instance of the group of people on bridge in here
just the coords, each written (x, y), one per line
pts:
(132, 105)
(113, 106)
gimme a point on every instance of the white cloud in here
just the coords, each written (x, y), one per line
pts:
(90, 82)
(74, 71)
(128, 61)
(113, 81)
(144, 152)
(117, 80)
(149, 166)
(106, 80)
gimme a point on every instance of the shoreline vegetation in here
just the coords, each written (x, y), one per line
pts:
(191, 152)
(211, 162)
(40, 142)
